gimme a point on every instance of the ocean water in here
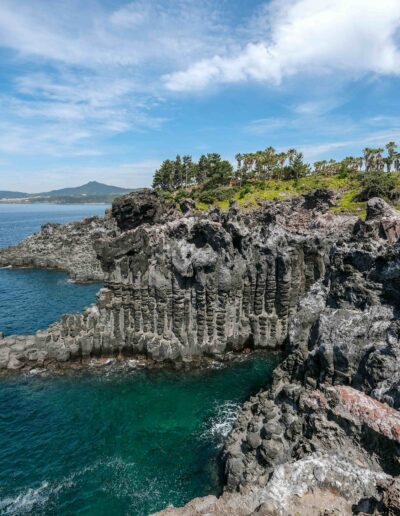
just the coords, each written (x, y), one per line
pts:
(30, 300)
(125, 443)
(17, 221)
(110, 441)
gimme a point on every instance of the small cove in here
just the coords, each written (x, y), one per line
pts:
(108, 441)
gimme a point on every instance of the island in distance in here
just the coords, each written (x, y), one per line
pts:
(91, 192)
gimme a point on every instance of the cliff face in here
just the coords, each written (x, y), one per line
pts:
(179, 287)
(67, 247)
(327, 433)
(199, 285)
(326, 288)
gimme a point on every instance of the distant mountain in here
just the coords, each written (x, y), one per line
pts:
(5, 194)
(91, 190)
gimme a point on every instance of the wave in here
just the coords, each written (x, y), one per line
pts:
(34, 499)
(25, 502)
(221, 423)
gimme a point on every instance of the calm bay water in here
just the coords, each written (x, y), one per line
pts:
(17, 221)
(122, 444)
(109, 441)
(30, 300)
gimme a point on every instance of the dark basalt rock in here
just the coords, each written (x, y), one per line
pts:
(321, 199)
(285, 275)
(67, 247)
(141, 207)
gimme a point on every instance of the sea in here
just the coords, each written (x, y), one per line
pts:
(105, 441)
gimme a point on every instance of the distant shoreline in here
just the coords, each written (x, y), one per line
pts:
(25, 203)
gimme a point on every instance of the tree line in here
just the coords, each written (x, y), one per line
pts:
(213, 171)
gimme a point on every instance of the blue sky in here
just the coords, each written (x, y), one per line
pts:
(106, 89)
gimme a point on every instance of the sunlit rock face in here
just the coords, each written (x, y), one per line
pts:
(181, 284)
(205, 284)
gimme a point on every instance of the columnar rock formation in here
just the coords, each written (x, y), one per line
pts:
(179, 287)
(327, 433)
(326, 288)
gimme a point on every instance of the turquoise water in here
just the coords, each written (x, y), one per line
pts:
(110, 441)
(117, 444)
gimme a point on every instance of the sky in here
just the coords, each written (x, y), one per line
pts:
(107, 89)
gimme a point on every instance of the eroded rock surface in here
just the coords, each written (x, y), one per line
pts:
(67, 247)
(183, 286)
(336, 395)
(326, 435)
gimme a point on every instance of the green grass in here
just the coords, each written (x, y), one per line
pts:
(248, 195)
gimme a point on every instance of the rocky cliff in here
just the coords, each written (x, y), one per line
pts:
(180, 286)
(67, 247)
(326, 435)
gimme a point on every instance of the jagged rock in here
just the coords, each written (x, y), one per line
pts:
(382, 222)
(177, 287)
(310, 486)
(378, 208)
(143, 206)
(187, 206)
(67, 247)
(321, 199)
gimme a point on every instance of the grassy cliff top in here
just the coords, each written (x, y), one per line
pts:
(247, 195)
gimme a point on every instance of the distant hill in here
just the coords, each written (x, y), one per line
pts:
(91, 188)
(5, 194)
(91, 191)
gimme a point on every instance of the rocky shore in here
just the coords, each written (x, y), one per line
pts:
(66, 247)
(325, 438)
(181, 285)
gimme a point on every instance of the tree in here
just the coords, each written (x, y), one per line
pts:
(297, 168)
(217, 171)
(391, 154)
(189, 170)
(376, 184)
(163, 177)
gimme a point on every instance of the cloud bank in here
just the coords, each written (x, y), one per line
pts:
(316, 37)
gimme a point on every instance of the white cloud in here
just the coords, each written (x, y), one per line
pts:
(90, 35)
(349, 37)
(85, 70)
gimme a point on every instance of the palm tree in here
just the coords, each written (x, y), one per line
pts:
(391, 152)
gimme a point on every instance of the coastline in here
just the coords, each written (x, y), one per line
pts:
(184, 289)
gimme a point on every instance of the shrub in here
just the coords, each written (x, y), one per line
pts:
(207, 197)
(377, 184)
(244, 191)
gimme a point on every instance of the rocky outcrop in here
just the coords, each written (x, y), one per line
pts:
(67, 247)
(334, 399)
(192, 285)
(327, 289)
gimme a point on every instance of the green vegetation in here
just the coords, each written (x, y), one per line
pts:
(209, 172)
(268, 175)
